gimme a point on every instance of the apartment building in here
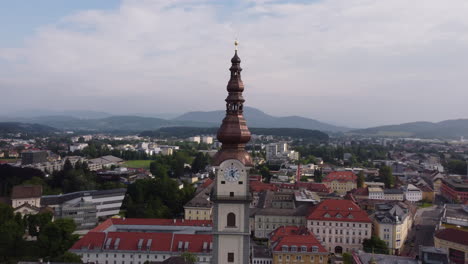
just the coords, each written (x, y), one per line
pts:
(340, 224)
(341, 181)
(292, 244)
(392, 223)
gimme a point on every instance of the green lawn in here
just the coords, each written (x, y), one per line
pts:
(8, 160)
(145, 164)
(424, 205)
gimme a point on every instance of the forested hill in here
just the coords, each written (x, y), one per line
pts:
(453, 129)
(184, 132)
(25, 129)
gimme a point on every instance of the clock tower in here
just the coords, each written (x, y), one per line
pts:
(231, 196)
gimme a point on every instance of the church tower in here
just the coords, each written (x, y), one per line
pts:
(231, 196)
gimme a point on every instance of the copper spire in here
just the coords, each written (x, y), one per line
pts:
(234, 133)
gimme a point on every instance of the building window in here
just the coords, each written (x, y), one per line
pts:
(231, 220)
(230, 257)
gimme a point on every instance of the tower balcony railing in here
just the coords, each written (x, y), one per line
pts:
(232, 198)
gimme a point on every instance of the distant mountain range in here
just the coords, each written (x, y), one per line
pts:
(101, 121)
(84, 121)
(257, 118)
(445, 129)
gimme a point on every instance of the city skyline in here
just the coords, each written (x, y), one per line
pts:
(353, 63)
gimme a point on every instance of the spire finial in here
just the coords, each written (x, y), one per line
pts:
(236, 43)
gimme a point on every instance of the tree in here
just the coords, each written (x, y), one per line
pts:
(456, 166)
(11, 233)
(347, 258)
(318, 176)
(304, 179)
(57, 237)
(35, 223)
(385, 173)
(360, 179)
(375, 245)
(200, 162)
(189, 257)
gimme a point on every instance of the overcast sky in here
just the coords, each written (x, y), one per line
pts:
(349, 62)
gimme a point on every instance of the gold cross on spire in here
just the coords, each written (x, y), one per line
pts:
(236, 43)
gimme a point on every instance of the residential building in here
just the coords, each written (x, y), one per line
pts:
(394, 194)
(200, 207)
(78, 146)
(412, 193)
(376, 193)
(341, 181)
(392, 223)
(261, 255)
(33, 156)
(103, 162)
(454, 190)
(207, 139)
(195, 139)
(428, 193)
(268, 219)
(138, 241)
(455, 242)
(340, 224)
(86, 207)
(298, 248)
(26, 194)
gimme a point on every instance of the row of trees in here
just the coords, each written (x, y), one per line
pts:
(51, 240)
(156, 198)
(360, 154)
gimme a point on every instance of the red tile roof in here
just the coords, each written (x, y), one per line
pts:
(299, 240)
(165, 242)
(314, 187)
(360, 191)
(255, 178)
(342, 176)
(453, 235)
(282, 231)
(26, 191)
(338, 210)
(91, 240)
(256, 186)
(207, 183)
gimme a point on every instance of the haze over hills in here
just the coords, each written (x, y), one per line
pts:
(83, 120)
(101, 121)
(445, 129)
(257, 118)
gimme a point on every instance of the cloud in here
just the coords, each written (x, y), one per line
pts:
(354, 62)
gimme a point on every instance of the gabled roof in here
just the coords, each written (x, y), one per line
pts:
(338, 210)
(282, 231)
(141, 241)
(256, 186)
(298, 242)
(341, 176)
(26, 191)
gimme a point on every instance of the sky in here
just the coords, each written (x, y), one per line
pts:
(355, 63)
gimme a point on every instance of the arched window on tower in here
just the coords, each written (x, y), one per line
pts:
(231, 220)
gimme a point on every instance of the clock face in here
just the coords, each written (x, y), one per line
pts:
(231, 173)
